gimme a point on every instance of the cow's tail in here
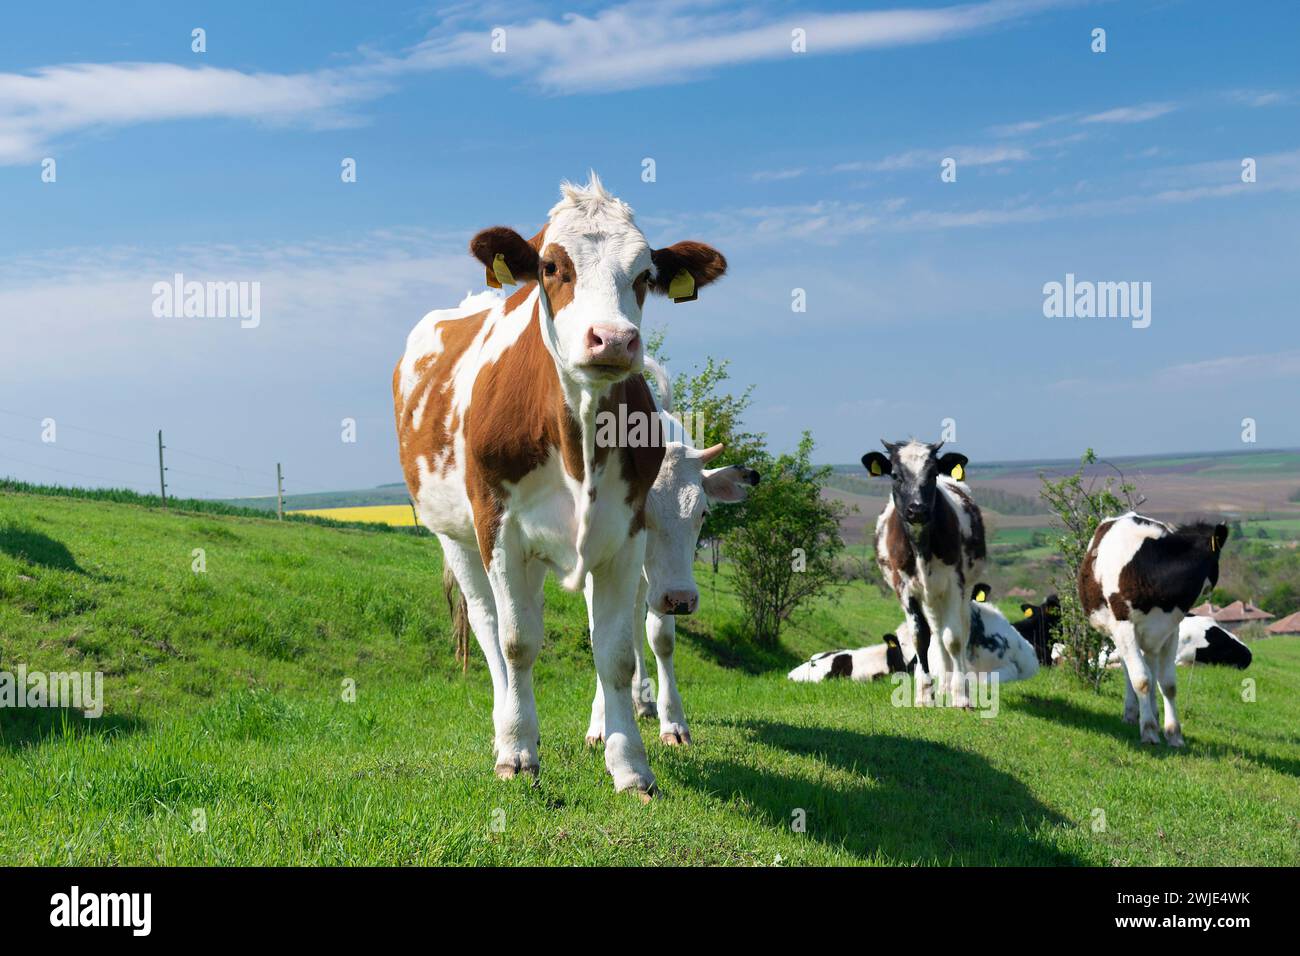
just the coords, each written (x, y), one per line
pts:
(663, 383)
(459, 611)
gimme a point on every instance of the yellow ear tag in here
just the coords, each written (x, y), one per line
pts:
(1214, 543)
(875, 468)
(1029, 612)
(501, 271)
(958, 472)
(981, 596)
(892, 643)
(682, 287)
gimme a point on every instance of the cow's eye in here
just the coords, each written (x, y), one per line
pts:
(548, 268)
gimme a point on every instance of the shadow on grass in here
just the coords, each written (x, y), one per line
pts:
(1066, 712)
(33, 547)
(917, 801)
(733, 647)
(33, 726)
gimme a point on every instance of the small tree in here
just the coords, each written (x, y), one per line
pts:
(784, 553)
(1080, 504)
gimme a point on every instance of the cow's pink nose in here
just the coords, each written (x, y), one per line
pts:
(612, 344)
(679, 602)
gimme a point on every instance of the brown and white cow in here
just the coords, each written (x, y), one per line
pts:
(929, 545)
(496, 406)
(1138, 579)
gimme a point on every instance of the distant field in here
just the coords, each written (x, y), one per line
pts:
(399, 515)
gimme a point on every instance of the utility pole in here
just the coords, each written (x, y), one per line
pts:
(279, 492)
(162, 476)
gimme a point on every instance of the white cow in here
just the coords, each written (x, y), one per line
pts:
(675, 509)
(497, 409)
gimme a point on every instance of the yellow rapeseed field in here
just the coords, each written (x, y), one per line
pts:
(375, 514)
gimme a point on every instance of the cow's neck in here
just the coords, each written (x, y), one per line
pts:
(582, 400)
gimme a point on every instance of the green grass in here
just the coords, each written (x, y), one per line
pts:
(223, 695)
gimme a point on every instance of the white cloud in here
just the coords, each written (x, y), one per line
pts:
(634, 44)
(964, 155)
(36, 108)
(1131, 114)
(777, 175)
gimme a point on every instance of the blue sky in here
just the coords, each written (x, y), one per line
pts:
(816, 170)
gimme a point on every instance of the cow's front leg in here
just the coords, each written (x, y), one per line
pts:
(613, 596)
(662, 630)
(953, 640)
(517, 588)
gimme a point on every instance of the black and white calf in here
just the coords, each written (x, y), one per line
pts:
(929, 545)
(1138, 580)
(1202, 641)
(863, 664)
(995, 646)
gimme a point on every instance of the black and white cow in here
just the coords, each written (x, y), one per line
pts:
(995, 648)
(1202, 641)
(1138, 580)
(1039, 625)
(929, 546)
(863, 664)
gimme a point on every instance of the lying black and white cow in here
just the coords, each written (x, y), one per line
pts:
(930, 546)
(675, 507)
(863, 664)
(1138, 580)
(995, 648)
(1202, 641)
(1039, 625)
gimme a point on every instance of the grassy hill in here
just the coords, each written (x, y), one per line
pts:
(223, 696)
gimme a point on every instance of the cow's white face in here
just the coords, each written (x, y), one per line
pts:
(595, 269)
(675, 510)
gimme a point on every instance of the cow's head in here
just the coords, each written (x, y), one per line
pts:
(675, 509)
(895, 658)
(595, 269)
(915, 467)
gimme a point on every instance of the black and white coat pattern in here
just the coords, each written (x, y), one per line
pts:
(930, 547)
(1138, 580)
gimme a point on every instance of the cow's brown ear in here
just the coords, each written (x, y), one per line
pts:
(507, 256)
(684, 267)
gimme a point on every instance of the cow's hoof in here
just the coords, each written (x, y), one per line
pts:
(1150, 735)
(1174, 737)
(594, 740)
(675, 735)
(642, 787)
(1130, 718)
(522, 764)
(647, 712)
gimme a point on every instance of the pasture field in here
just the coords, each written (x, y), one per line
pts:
(223, 695)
